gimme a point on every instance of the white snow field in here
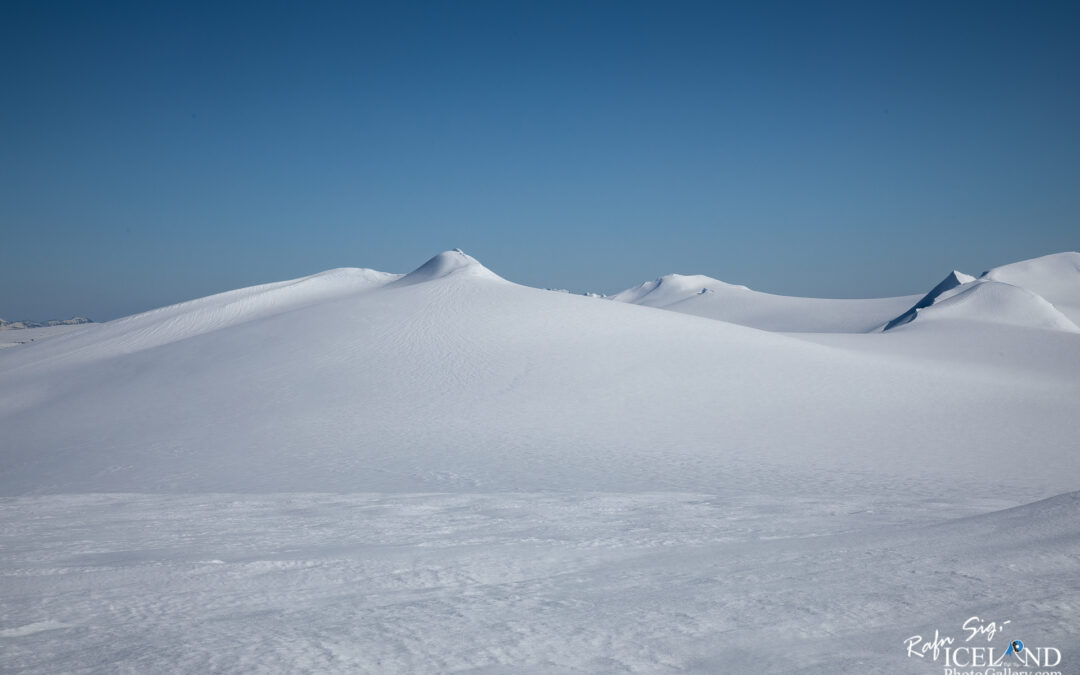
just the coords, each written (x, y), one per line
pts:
(448, 472)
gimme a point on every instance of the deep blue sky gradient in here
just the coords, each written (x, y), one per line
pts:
(153, 152)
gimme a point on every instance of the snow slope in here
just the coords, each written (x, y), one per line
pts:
(215, 312)
(703, 296)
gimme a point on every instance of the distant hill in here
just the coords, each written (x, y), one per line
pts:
(17, 325)
(714, 299)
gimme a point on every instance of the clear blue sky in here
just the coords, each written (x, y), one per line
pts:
(152, 152)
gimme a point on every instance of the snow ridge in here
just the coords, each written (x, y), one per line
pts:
(951, 281)
(454, 263)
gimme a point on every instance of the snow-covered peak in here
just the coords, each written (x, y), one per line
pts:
(957, 277)
(455, 262)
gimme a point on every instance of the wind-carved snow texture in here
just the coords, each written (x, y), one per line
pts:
(441, 471)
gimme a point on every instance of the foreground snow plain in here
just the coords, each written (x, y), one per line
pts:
(445, 471)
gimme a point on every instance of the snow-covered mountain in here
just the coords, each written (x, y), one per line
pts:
(451, 377)
(359, 471)
(703, 296)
